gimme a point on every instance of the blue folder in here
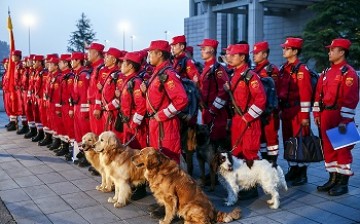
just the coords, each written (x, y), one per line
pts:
(339, 140)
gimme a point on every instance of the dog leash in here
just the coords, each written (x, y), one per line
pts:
(239, 138)
(132, 138)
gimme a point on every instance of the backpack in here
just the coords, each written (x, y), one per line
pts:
(314, 77)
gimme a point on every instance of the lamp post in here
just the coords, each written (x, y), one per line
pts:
(29, 21)
(166, 34)
(124, 27)
(132, 42)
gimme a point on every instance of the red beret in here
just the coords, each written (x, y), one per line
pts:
(260, 46)
(65, 57)
(239, 49)
(178, 39)
(133, 56)
(54, 60)
(5, 60)
(340, 42)
(161, 45)
(228, 48)
(293, 42)
(31, 56)
(38, 58)
(114, 52)
(48, 56)
(77, 56)
(16, 52)
(210, 43)
(190, 49)
(96, 46)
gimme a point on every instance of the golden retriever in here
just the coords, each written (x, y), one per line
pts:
(88, 144)
(177, 191)
(116, 161)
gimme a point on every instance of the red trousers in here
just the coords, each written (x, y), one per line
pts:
(170, 141)
(269, 133)
(36, 111)
(67, 121)
(218, 131)
(13, 103)
(335, 160)
(139, 141)
(56, 121)
(81, 123)
(96, 125)
(245, 140)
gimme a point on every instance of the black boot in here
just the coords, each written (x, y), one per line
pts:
(56, 143)
(301, 178)
(24, 129)
(31, 133)
(39, 136)
(329, 184)
(46, 141)
(139, 192)
(93, 171)
(12, 126)
(272, 159)
(83, 162)
(341, 186)
(264, 155)
(248, 194)
(64, 149)
(6, 125)
(292, 173)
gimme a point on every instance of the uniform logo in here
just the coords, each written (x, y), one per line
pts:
(104, 75)
(137, 93)
(80, 83)
(254, 84)
(300, 76)
(56, 85)
(219, 74)
(119, 82)
(338, 77)
(188, 68)
(349, 81)
(242, 84)
(70, 81)
(171, 84)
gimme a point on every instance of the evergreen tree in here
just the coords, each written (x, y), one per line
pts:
(82, 36)
(333, 19)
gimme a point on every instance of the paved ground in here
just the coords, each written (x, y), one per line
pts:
(38, 187)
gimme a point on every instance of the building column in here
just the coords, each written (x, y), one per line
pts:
(255, 22)
(210, 22)
(192, 8)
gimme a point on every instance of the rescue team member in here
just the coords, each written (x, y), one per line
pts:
(165, 98)
(336, 98)
(213, 94)
(269, 147)
(95, 57)
(133, 103)
(20, 84)
(66, 90)
(107, 82)
(295, 92)
(249, 101)
(186, 68)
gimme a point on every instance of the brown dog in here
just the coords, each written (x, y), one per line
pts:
(116, 161)
(177, 191)
(88, 144)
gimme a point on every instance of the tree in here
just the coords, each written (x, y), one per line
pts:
(4, 49)
(82, 36)
(333, 19)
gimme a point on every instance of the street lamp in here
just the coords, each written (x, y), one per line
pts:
(132, 42)
(166, 34)
(124, 26)
(106, 43)
(29, 21)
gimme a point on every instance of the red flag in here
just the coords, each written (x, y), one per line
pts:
(11, 64)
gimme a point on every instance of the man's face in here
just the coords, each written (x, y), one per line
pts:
(109, 60)
(155, 57)
(52, 67)
(75, 63)
(259, 57)
(62, 65)
(126, 67)
(236, 59)
(37, 64)
(92, 55)
(288, 52)
(335, 54)
(207, 52)
(15, 58)
(176, 49)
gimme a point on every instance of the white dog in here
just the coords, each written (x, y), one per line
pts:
(235, 175)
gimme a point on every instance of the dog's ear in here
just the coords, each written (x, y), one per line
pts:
(152, 160)
(215, 162)
(113, 142)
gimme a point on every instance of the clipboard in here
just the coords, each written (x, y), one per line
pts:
(339, 140)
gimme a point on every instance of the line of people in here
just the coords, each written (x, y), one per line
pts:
(139, 95)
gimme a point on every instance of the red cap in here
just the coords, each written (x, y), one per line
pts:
(178, 39)
(77, 56)
(143, 53)
(189, 49)
(114, 52)
(260, 46)
(340, 42)
(65, 57)
(31, 56)
(293, 42)
(133, 56)
(26, 58)
(54, 60)
(239, 49)
(38, 58)
(161, 45)
(228, 47)
(96, 46)
(5, 60)
(210, 43)
(16, 53)
(48, 56)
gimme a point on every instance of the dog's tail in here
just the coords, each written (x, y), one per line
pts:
(228, 217)
(281, 178)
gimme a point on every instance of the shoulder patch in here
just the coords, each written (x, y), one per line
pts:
(349, 81)
(137, 93)
(80, 83)
(254, 84)
(219, 74)
(170, 84)
(300, 75)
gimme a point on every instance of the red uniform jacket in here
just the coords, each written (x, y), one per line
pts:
(295, 91)
(81, 84)
(260, 69)
(249, 97)
(92, 90)
(67, 87)
(338, 90)
(55, 91)
(108, 78)
(38, 82)
(188, 70)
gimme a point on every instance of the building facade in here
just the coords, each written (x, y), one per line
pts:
(230, 21)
